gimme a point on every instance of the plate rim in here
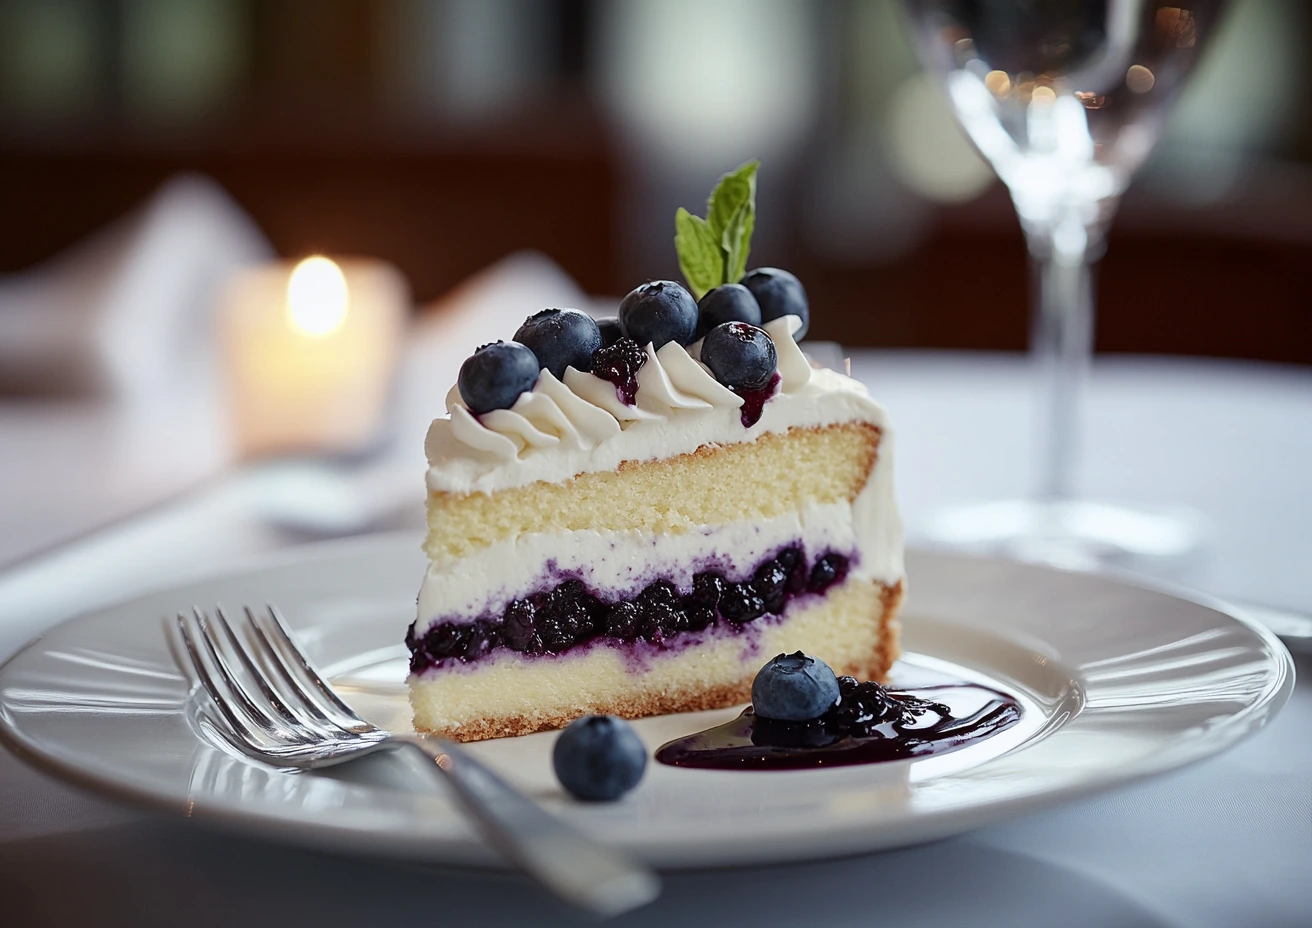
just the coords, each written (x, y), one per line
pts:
(934, 823)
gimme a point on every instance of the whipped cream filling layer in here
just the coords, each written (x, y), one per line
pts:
(618, 565)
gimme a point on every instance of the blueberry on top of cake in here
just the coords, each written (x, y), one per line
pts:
(675, 494)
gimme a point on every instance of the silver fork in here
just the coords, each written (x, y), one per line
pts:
(275, 707)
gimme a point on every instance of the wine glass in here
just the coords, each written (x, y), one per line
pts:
(1065, 98)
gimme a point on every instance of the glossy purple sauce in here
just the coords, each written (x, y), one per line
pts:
(619, 364)
(754, 400)
(917, 722)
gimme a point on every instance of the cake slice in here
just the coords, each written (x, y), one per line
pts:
(632, 518)
(654, 569)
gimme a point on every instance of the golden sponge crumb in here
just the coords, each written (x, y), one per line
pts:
(773, 475)
(853, 629)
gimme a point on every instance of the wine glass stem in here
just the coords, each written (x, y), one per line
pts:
(1061, 348)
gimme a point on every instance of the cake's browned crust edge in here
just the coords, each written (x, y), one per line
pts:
(876, 668)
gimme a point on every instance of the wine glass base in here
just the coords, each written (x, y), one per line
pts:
(1073, 534)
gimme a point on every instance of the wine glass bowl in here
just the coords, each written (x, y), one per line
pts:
(1065, 99)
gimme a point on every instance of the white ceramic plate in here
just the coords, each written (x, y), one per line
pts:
(1117, 682)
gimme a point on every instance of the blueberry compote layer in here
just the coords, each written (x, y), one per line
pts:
(570, 615)
(870, 724)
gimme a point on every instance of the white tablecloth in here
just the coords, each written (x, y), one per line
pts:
(1226, 842)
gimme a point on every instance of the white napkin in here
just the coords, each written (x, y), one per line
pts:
(128, 312)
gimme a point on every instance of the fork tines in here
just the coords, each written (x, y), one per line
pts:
(271, 700)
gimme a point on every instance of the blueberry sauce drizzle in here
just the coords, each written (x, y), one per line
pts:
(870, 724)
(754, 400)
(619, 364)
(571, 615)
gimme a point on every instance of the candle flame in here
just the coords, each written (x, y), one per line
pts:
(317, 297)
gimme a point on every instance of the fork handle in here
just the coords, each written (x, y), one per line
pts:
(571, 866)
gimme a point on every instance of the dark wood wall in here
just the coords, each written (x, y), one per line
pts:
(1162, 287)
(321, 163)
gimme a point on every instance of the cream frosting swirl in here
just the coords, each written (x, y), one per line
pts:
(794, 368)
(602, 394)
(692, 382)
(580, 412)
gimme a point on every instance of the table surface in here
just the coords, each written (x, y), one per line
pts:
(1225, 842)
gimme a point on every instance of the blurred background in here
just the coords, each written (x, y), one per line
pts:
(185, 390)
(442, 135)
(165, 165)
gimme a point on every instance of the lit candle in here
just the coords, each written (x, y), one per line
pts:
(310, 353)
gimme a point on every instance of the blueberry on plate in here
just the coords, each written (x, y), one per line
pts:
(657, 312)
(726, 303)
(611, 331)
(794, 688)
(561, 338)
(599, 758)
(741, 356)
(779, 293)
(495, 375)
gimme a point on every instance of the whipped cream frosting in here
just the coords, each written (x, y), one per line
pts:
(580, 425)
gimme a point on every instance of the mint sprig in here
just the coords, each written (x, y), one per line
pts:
(700, 257)
(713, 251)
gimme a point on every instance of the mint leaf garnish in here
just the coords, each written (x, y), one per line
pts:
(737, 240)
(700, 256)
(713, 251)
(731, 192)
